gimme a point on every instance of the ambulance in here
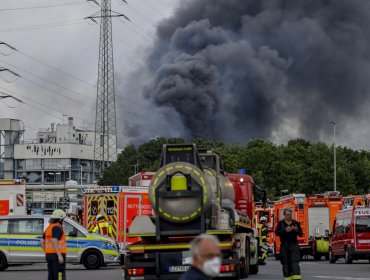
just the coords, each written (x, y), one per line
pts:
(12, 197)
(351, 235)
(141, 179)
(119, 205)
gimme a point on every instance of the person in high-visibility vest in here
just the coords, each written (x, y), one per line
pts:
(262, 246)
(102, 227)
(54, 244)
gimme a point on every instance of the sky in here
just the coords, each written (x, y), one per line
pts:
(55, 33)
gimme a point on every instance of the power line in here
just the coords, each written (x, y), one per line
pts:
(153, 8)
(44, 26)
(43, 6)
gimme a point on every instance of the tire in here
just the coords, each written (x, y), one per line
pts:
(253, 269)
(244, 271)
(332, 259)
(317, 257)
(3, 262)
(277, 257)
(347, 257)
(92, 260)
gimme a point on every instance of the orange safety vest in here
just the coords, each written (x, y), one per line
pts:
(62, 243)
(103, 227)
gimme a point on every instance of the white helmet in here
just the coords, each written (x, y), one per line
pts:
(263, 219)
(58, 214)
(100, 216)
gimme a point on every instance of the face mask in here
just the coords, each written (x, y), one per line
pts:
(212, 267)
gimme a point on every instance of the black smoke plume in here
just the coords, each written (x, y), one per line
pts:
(238, 69)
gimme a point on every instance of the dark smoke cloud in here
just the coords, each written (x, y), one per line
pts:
(238, 69)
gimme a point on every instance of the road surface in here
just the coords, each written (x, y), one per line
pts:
(311, 271)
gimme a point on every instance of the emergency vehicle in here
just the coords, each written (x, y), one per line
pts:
(351, 235)
(141, 179)
(316, 215)
(20, 243)
(267, 212)
(12, 197)
(119, 205)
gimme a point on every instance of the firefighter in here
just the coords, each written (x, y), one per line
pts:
(103, 227)
(263, 246)
(288, 231)
(54, 244)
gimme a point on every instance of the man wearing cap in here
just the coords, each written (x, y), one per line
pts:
(54, 244)
(103, 227)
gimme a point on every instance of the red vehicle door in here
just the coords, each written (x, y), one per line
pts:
(335, 243)
(362, 233)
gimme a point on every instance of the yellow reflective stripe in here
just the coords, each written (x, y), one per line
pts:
(110, 252)
(219, 232)
(60, 276)
(167, 246)
(296, 277)
(143, 234)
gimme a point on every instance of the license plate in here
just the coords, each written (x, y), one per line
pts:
(180, 268)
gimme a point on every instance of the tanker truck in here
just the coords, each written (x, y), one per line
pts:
(190, 195)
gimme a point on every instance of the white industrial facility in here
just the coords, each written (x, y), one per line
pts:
(59, 155)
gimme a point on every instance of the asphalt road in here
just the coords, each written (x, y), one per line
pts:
(310, 270)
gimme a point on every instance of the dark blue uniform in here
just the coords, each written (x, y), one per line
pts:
(194, 274)
(289, 250)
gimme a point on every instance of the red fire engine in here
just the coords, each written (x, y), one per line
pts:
(316, 215)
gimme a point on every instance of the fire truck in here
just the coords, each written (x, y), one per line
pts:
(13, 197)
(141, 179)
(316, 215)
(191, 195)
(267, 212)
(119, 205)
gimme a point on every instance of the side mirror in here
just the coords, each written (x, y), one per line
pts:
(72, 233)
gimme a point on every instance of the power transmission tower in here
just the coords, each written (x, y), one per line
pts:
(105, 144)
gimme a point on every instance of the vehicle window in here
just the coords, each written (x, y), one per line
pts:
(363, 224)
(4, 226)
(68, 228)
(27, 226)
(346, 225)
(339, 229)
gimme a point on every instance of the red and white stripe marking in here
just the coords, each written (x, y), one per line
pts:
(20, 199)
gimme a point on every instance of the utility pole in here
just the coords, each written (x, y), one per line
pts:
(105, 144)
(334, 158)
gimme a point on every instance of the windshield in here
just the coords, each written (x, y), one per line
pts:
(363, 224)
(78, 226)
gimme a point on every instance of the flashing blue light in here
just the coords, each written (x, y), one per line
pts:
(242, 171)
(115, 188)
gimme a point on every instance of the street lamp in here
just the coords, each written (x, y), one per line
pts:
(335, 158)
(64, 171)
(81, 174)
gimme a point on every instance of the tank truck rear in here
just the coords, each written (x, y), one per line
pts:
(190, 195)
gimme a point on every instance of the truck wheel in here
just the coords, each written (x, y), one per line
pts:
(253, 269)
(3, 262)
(317, 257)
(92, 260)
(347, 257)
(332, 259)
(245, 262)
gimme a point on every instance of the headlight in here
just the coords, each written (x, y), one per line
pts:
(112, 245)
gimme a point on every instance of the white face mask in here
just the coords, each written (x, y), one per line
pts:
(211, 267)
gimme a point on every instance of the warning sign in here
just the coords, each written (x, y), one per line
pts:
(110, 207)
(94, 208)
